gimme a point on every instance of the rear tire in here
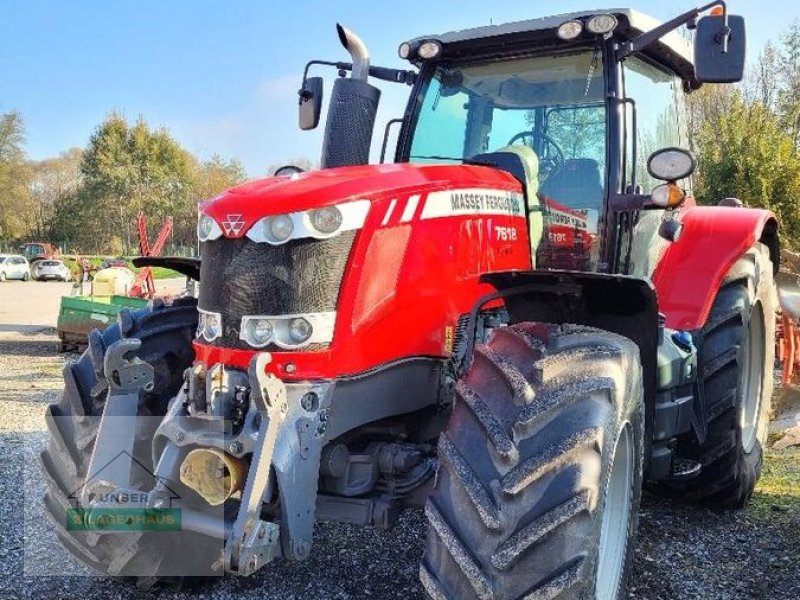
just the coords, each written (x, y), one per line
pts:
(2, 276)
(736, 354)
(166, 333)
(529, 485)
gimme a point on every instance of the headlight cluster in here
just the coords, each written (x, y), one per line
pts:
(289, 331)
(209, 325)
(317, 223)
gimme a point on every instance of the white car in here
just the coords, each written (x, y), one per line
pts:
(14, 266)
(48, 269)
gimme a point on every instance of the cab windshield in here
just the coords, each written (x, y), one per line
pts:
(555, 106)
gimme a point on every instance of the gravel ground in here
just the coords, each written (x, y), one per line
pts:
(682, 552)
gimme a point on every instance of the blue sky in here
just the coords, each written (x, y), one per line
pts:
(223, 76)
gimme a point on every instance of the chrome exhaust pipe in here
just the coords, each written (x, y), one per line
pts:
(359, 54)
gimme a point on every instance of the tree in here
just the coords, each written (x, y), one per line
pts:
(748, 154)
(53, 181)
(788, 94)
(127, 170)
(14, 176)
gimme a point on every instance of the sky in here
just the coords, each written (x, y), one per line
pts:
(223, 76)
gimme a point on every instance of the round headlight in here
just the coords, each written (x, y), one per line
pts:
(300, 330)
(602, 24)
(326, 220)
(279, 228)
(430, 49)
(404, 51)
(569, 30)
(205, 226)
(259, 332)
(671, 164)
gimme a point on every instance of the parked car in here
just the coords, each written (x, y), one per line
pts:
(47, 270)
(14, 266)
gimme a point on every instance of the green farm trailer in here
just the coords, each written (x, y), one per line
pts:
(80, 314)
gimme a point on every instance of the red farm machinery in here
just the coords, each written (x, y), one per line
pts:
(516, 325)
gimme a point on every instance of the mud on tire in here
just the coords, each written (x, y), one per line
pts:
(166, 332)
(524, 465)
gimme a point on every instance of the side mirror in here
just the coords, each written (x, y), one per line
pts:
(719, 51)
(310, 103)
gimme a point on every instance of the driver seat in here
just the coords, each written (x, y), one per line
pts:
(522, 162)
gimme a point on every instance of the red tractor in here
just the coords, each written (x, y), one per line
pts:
(516, 325)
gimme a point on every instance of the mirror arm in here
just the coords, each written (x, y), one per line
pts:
(643, 40)
(304, 93)
(382, 73)
(620, 203)
(629, 202)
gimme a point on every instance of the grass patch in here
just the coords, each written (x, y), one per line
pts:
(778, 490)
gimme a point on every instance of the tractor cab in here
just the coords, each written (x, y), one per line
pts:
(577, 104)
(573, 105)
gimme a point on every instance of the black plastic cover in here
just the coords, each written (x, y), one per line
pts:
(711, 64)
(351, 118)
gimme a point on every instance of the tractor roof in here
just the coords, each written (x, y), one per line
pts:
(673, 50)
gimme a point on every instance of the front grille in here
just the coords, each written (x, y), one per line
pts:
(242, 277)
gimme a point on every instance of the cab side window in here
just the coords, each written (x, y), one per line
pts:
(658, 115)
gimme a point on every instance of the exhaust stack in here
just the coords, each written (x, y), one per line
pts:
(359, 55)
(352, 110)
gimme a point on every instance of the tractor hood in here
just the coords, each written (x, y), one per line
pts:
(238, 209)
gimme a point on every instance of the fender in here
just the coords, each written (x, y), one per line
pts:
(618, 303)
(690, 271)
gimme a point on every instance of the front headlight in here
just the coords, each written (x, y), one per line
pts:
(289, 332)
(257, 332)
(326, 220)
(319, 223)
(300, 330)
(280, 228)
(209, 325)
(207, 228)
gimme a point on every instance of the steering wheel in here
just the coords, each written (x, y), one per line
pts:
(550, 154)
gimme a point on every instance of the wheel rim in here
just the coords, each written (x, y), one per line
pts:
(753, 385)
(616, 513)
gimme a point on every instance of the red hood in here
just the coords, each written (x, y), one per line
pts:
(276, 195)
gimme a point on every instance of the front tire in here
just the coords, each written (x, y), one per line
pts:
(26, 276)
(166, 332)
(540, 468)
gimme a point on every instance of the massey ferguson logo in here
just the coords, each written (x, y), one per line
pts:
(233, 225)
